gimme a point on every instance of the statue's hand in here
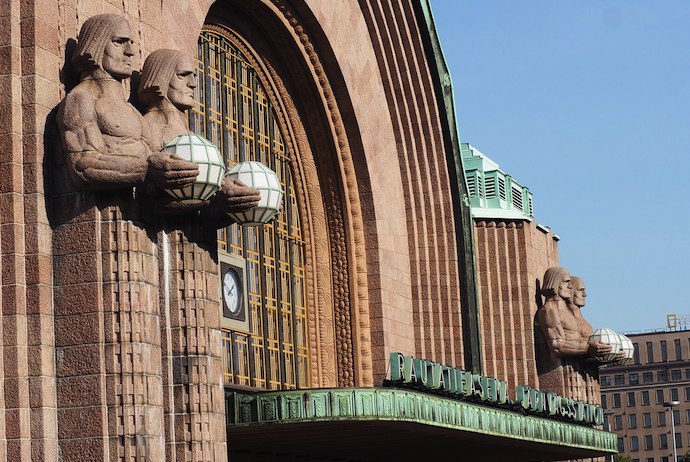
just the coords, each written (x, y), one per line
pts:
(235, 197)
(168, 171)
(597, 348)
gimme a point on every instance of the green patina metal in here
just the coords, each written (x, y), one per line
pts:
(374, 404)
(493, 193)
(464, 226)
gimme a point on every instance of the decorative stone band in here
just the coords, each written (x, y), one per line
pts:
(374, 404)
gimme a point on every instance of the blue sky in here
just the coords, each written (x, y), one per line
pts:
(587, 103)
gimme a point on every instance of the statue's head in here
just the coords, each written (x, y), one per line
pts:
(556, 283)
(578, 293)
(168, 74)
(105, 42)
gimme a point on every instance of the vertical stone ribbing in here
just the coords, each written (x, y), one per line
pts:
(132, 336)
(40, 94)
(195, 403)
(433, 260)
(16, 417)
(510, 255)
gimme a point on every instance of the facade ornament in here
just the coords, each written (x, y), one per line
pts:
(567, 333)
(105, 139)
(568, 356)
(167, 91)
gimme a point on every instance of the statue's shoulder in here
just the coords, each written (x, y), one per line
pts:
(78, 104)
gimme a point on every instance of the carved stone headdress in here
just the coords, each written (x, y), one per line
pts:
(552, 279)
(159, 68)
(94, 35)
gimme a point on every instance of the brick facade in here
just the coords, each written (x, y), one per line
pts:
(111, 342)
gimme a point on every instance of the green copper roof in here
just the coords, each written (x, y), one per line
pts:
(493, 193)
(380, 405)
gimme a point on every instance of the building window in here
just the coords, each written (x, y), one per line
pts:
(662, 376)
(687, 374)
(687, 393)
(631, 398)
(660, 397)
(603, 401)
(679, 350)
(646, 420)
(618, 422)
(676, 417)
(632, 421)
(664, 458)
(663, 441)
(635, 444)
(648, 442)
(674, 394)
(606, 380)
(636, 353)
(664, 351)
(619, 379)
(616, 400)
(648, 377)
(676, 374)
(662, 419)
(645, 397)
(650, 353)
(233, 110)
(621, 445)
(679, 440)
(687, 417)
(634, 378)
(650, 459)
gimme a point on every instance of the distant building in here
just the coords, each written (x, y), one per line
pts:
(634, 396)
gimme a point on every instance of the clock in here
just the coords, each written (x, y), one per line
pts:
(232, 292)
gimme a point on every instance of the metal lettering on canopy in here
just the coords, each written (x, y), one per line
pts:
(232, 110)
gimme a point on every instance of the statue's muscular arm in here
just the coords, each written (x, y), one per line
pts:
(91, 166)
(560, 343)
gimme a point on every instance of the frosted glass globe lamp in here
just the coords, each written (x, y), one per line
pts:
(628, 348)
(258, 176)
(197, 149)
(611, 338)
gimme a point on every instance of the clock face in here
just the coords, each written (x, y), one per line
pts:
(232, 292)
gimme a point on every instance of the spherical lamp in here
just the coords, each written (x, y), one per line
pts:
(628, 348)
(197, 149)
(258, 176)
(611, 338)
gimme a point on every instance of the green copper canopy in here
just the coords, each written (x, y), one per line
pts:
(373, 419)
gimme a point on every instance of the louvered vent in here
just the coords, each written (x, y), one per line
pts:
(517, 198)
(472, 186)
(530, 205)
(490, 187)
(502, 188)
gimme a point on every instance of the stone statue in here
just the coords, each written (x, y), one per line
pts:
(566, 331)
(104, 137)
(167, 91)
(567, 360)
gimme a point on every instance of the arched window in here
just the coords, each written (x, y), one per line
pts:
(268, 349)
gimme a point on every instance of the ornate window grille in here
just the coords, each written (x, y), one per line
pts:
(232, 109)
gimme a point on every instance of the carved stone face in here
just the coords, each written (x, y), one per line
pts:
(579, 294)
(117, 56)
(564, 288)
(182, 84)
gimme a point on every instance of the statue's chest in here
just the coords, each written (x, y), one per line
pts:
(118, 118)
(568, 321)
